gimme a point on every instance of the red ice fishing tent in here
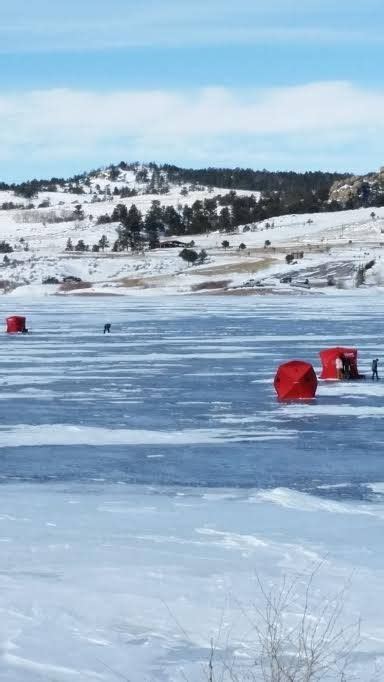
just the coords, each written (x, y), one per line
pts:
(295, 380)
(328, 360)
(15, 324)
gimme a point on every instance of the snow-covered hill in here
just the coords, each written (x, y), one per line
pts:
(327, 248)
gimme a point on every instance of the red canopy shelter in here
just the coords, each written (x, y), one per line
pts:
(295, 380)
(15, 324)
(328, 359)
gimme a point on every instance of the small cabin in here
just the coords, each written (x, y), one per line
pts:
(173, 244)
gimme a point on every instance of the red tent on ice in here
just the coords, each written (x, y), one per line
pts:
(15, 324)
(328, 360)
(295, 380)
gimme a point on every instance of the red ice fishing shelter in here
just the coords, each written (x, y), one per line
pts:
(295, 380)
(15, 324)
(328, 360)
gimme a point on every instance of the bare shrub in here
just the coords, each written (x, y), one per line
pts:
(49, 217)
(291, 639)
(7, 286)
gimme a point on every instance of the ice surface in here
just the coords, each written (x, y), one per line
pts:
(149, 475)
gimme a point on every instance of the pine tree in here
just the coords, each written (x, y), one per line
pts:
(210, 211)
(114, 173)
(78, 212)
(129, 231)
(173, 221)
(225, 223)
(189, 255)
(153, 186)
(142, 176)
(122, 241)
(69, 245)
(187, 218)
(241, 214)
(81, 246)
(119, 214)
(154, 224)
(103, 242)
(200, 221)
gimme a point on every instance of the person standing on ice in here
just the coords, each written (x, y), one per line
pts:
(374, 369)
(339, 367)
(346, 367)
(107, 328)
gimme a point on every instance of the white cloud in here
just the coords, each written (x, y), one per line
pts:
(43, 25)
(210, 126)
(84, 115)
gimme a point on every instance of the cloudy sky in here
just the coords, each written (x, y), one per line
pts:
(290, 84)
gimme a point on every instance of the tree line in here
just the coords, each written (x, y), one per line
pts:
(254, 180)
(223, 212)
(281, 191)
(158, 177)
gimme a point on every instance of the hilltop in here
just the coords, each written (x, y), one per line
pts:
(359, 190)
(121, 229)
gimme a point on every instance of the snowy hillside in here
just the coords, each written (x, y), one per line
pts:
(308, 250)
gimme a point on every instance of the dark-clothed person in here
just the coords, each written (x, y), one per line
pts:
(346, 367)
(374, 369)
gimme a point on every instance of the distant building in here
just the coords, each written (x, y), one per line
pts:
(173, 244)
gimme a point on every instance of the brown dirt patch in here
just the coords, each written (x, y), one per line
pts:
(144, 282)
(73, 286)
(131, 282)
(249, 266)
(220, 284)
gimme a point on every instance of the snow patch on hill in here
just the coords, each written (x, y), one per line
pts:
(333, 245)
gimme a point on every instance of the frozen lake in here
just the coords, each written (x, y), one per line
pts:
(147, 475)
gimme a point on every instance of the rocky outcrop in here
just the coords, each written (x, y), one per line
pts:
(359, 190)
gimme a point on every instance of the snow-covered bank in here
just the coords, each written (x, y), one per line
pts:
(326, 248)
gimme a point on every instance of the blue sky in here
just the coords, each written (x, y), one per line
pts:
(291, 84)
